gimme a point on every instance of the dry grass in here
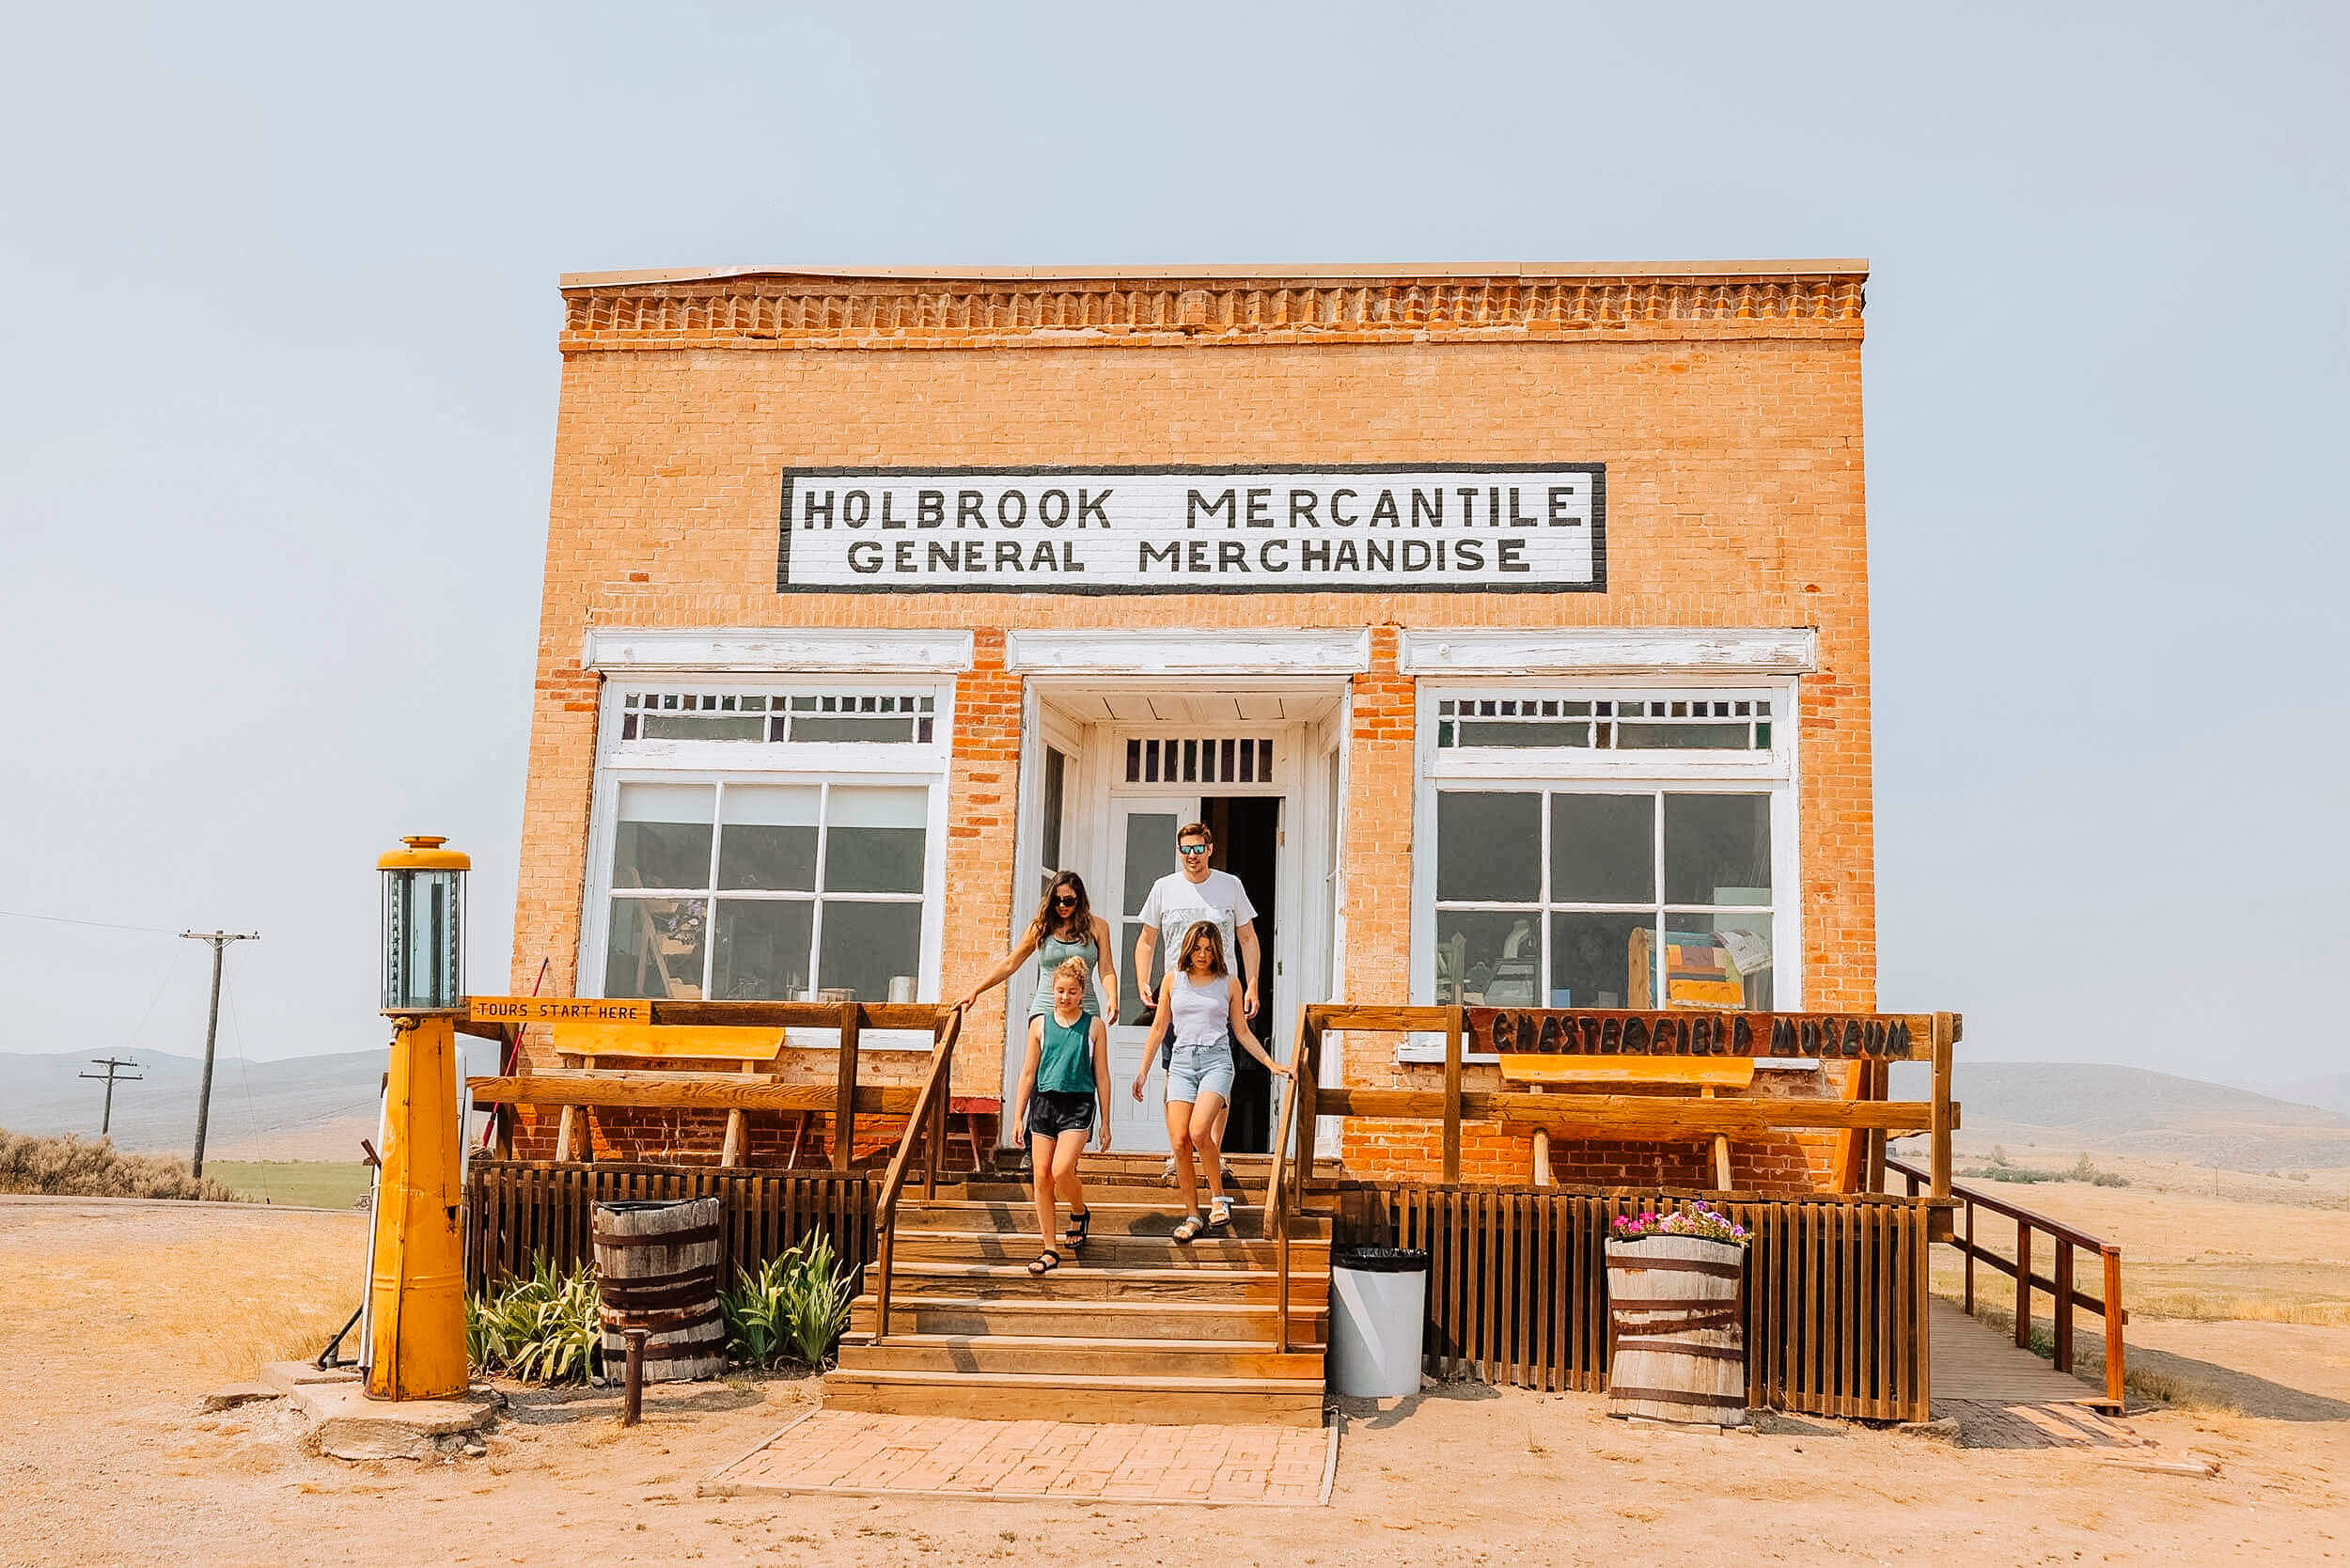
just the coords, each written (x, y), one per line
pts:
(202, 1314)
(70, 1167)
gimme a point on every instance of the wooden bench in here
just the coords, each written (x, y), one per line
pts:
(742, 1077)
(1567, 1076)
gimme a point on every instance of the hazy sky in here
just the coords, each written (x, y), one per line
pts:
(277, 386)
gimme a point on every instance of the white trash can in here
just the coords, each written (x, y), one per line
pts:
(1378, 1305)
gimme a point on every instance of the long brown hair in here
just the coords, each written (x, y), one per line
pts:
(1205, 931)
(1080, 924)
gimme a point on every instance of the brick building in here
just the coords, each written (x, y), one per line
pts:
(1508, 623)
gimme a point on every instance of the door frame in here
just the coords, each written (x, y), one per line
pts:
(1094, 784)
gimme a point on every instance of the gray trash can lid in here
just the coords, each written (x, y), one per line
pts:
(1382, 1260)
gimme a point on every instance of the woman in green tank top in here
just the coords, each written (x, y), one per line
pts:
(1064, 1095)
(1065, 927)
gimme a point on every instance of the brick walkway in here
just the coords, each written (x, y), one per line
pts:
(942, 1456)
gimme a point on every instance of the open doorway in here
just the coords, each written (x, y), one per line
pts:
(1248, 831)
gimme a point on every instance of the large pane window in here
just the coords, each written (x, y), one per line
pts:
(767, 892)
(1603, 899)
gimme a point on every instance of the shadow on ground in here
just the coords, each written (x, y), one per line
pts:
(2253, 1396)
(532, 1406)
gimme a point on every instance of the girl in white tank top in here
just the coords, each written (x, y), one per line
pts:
(1198, 1002)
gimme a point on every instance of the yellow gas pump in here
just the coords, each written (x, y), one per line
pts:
(415, 1340)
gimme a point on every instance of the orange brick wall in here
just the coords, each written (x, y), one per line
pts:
(1735, 470)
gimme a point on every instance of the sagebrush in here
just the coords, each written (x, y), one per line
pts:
(794, 1308)
(74, 1166)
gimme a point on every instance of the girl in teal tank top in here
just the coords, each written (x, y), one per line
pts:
(1063, 1094)
(1065, 927)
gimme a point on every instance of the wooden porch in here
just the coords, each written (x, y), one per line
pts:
(1836, 1312)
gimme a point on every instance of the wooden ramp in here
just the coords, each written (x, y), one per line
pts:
(1139, 1328)
(2007, 1398)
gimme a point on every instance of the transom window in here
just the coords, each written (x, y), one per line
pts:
(1559, 897)
(902, 717)
(1211, 760)
(1648, 721)
(767, 891)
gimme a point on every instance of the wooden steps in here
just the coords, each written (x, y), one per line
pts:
(1069, 1397)
(1034, 1355)
(911, 1312)
(1138, 1328)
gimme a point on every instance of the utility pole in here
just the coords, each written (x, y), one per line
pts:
(219, 940)
(112, 1066)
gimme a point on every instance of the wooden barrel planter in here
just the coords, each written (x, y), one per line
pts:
(1676, 1331)
(657, 1269)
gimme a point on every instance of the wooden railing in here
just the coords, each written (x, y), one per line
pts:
(1280, 1194)
(1867, 1040)
(926, 1128)
(734, 1093)
(2058, 1284)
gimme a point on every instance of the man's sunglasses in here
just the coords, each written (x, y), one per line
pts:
(1188, 850)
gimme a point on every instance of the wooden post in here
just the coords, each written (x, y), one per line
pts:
(1969, 1256)
(1878, 1074)
(2114, 1315)
(844, 1091)
(1308, 1090)
(1541, 1156)
(632, 1380)
(1453, 1093)
(563, 1134)
(1945, 1035)
(935, 1139)
(2063, 1355)
(2023, 1283)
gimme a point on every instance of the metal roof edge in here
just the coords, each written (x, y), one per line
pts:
(1358, 271)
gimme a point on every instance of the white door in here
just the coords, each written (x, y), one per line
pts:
(1142, 839)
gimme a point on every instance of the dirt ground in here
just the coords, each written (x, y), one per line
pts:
(117, 1317)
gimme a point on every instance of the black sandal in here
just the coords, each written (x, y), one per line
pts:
(1080, 1226)
(1044, 1264)
(1190, 1229)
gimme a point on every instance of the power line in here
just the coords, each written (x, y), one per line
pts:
(102, 925)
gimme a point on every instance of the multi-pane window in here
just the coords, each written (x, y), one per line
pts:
(767, 891)
(1557, 898)
(901, 718)
(1643, 722)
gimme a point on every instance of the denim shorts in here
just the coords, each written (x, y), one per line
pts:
(1196, 1070)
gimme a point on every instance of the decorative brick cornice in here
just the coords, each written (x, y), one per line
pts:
(799, 310)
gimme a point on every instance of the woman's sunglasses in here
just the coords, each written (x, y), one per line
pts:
(1065, 901)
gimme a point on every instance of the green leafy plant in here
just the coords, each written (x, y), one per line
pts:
(543, 1328)
(795, 1307)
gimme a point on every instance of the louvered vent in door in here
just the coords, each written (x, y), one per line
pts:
(1203, 760)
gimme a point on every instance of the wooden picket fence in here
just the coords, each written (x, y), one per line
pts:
(517, 1211)
(1835, 1299)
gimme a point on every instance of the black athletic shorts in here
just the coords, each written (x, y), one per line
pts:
(1052, 1113)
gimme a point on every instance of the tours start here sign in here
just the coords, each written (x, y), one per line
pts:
(1441, 527)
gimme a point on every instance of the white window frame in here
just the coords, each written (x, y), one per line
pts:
(1776, 772)
(886, 764)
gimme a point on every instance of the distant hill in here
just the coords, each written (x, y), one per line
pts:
(2327, 1092)
(302, 1108)
(2129, 1110)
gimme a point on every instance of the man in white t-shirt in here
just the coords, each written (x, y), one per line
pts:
(1180, 901)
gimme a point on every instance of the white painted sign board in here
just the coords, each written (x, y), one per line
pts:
(1458, 528)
